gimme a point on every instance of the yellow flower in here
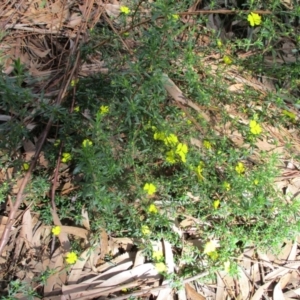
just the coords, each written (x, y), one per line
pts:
(170, 158)
(56, 230)
(56, 143)
(77, 108)
(157, 255)
(210, 246)
(25, 166)
(226, 186)
(256, 182)
(71, 258)
(227, 266)
(199, 171)
(219, 43)
(66, 157)
(182, 150)
(145, 230)
(216, 204)
(125, 10)
(104, 109)
(74, 82)
(87, 143)
(160, 267)
(158, 135)
(175, 17)
(207, 145)
(150, 188)
(254, 19)
(227, 60)
(171, 140)
(213, 255)
(152, 209)
(240, 168)
(255, 128)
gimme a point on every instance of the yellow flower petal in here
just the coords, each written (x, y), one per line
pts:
(171, 140)
(227, 60)
(152, 209)
(216, 204)
(160, 267)
(226, 186)
(175, 17)
(25, 166)
(213, 255)
(104, 110)
(157, 255)
(66, 157)
(158, 135)
(71, 258)
(170, 158)
(255, 128)
(182, 150)
(240, 168)
(210, 246)
(150, 188)
(207, 145)
(145, 230)
(125, 10)
(87, 143)
(254, 19)
(74, 82)
(199, 170)
(56, 230)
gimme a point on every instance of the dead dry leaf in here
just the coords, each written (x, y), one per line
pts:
(192, 294)
(56, 280)
(116, 261)
(3, 221)
(260, 291)
(143, 272)
(85, 219)
(139, 258)
(221, 293)
(63, 236)
(178, 96)
(244, 283)
(277, 293)
(77, 268)
(104, 246)
(26, 231)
